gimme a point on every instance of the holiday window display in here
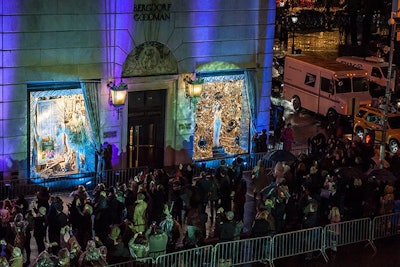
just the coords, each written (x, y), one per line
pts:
(221, 125)
(59, 139)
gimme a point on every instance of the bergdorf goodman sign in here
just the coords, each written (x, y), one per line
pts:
(150, 12)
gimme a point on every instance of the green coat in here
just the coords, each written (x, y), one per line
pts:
(139, 216)
(157, 243)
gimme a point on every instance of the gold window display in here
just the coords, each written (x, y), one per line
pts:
(222, 119)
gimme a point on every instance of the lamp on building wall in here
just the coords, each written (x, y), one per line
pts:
(294, 20)
(117, 95)
(193, 87)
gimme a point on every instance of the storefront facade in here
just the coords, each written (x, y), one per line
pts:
(60, 58)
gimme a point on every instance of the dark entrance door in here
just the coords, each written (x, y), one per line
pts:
(146, 122)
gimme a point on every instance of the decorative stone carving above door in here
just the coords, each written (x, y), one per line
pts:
(150, 58)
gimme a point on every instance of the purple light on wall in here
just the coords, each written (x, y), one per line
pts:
(117, 20)
(201, 18)
(265, 99)
(9, 46)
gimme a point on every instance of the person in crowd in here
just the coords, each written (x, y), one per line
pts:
(227, 232)
(84, 229)
(138, 246)
(5, 218)
(172, 228)
(81, 193)
(237, 171)
(334, 218)
(19, 229)
(117, 252)
(280, 124)
(21, 204)
(43, 197)
(222, 169)
(158, 240)
(60, 221)
(225, 189)
(139, 215)
(310, 220)
(40, 227)
(176, 190)
(203, 186)
(196, 227)
(28, 235)
(262, 140)
(255, 144)
(188, 173)
(239, 199)
(214, 197)
(287, 137)
(264, 222)
(93, 256)
(158, 193)
(278, 193)
(227, 227)
(101, 220)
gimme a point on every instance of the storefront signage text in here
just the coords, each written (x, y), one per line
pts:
(151, 12)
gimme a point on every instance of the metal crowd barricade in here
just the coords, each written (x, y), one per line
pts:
(385, 226)
(143, 262)
(245, 251)
(195, 257)
(298, 242)
(348, 232)
(120, 176)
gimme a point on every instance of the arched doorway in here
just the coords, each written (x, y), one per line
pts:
(147, 103)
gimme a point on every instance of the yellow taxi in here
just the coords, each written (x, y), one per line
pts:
(371, 118)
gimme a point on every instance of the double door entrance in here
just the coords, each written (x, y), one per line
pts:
(146, 125)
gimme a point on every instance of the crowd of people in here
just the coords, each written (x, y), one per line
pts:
(335, 181)
(153, 214)
(157, 213)
(283, 138)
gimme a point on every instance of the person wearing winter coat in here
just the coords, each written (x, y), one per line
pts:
(139, 214)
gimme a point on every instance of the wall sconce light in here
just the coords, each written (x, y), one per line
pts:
(193, 87)
(117, 95)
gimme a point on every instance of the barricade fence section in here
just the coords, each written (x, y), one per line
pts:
(385, 226)
(348, 232)
(268, 249)
(298, 242)
(120, 176)
(195, 257)
(239, 252)
(249, 160)
(143, 262)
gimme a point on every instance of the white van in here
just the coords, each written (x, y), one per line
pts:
(325, 86)
(377, 69)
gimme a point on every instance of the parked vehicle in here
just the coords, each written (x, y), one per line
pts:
(377, 69)
(371, 118)
(325, 86)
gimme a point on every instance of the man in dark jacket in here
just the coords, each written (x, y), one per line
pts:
(227, 228)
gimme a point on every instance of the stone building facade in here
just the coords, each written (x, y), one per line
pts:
(53, 48)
